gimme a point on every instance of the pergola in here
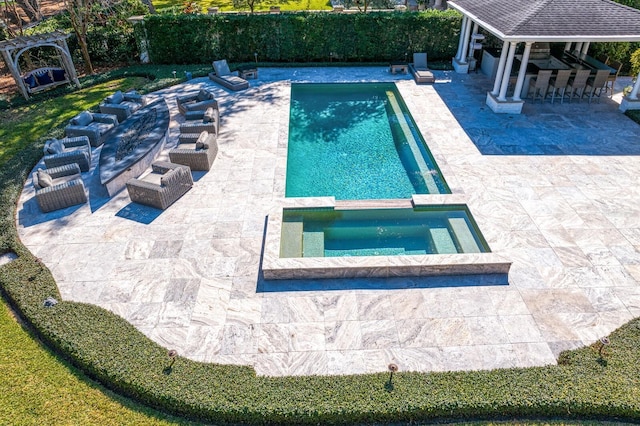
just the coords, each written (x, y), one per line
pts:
(14, 48)
(529, 21)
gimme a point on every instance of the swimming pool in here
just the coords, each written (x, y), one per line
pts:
(354, 142)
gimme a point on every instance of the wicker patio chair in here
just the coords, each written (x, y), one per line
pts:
(198, 101)
(122, 105)
(94, 125)
(201, 121)
(59, 187)
(60, 152)
(198, 151)
(162, 186)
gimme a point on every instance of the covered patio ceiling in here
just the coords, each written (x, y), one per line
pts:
(533, 21)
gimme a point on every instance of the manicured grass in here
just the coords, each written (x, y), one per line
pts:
(25, 124)
(227, 5)
(36, 387)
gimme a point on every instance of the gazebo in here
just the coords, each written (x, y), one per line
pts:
(12, 50)
(577, 23)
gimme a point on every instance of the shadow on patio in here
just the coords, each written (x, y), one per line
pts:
(542, 128)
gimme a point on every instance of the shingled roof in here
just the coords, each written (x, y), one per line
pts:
(553, 20)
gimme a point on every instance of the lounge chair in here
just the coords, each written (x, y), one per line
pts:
(91, 124)
(420, 70)
(162, 186)
(200, 121)
(59, 187)
(60, 152)
(198, 101)
(222, 75)
(122, 105)
(195, 150)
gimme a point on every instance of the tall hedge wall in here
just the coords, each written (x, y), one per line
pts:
(301, 37)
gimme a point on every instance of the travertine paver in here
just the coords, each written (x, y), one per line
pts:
(555, 187)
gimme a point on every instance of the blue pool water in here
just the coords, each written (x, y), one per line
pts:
(354, 142)
(382, 232)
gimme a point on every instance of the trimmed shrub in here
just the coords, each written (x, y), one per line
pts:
(113, 352)
(301, 37)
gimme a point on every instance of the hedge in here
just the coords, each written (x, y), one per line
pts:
(112, 351)
(301, 37)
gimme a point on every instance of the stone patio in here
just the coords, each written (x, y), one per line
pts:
(556, 188)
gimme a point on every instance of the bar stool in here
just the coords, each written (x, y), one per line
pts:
(540, 84)
(559, 84)
(611, 79)
(578, 83)
(597, 83)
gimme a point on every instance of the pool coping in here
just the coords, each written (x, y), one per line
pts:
(276, 268)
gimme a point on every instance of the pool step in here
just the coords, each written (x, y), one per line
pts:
(442, 241)
(463, 234)
(313, 244)
(291, 244)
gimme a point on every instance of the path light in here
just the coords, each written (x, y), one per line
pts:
(50, 302)
(172, 354)
(392, 368)
(174, 74)
(255, 55)
(604, 341)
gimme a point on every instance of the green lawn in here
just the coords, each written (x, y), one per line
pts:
(36, 387)
(26, 124)
(227, 5)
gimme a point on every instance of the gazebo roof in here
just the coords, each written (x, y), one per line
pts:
(553, 20)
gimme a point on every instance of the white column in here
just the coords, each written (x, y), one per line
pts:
(503, 60)
(465, 45)
(475, 28)
(578, 47)
(567, 46)
(585, 48)
(522, 71)
(634, 92)
(463, 28)
(502, 96)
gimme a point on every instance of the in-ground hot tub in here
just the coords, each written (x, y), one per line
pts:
(315, 238)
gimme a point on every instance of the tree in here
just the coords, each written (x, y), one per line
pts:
(80, 15)
(251, 4)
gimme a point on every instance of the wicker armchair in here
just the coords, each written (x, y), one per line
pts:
(201, 121)
(59, 187)
(162, 186)
(122, 105)
(60, 152)
(198, 101)
(91, 124)
(195, 150)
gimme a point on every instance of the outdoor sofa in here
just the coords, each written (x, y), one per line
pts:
(60, 152)
(94, 125)
(223, 76)
(59, 187)
(122, 105)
